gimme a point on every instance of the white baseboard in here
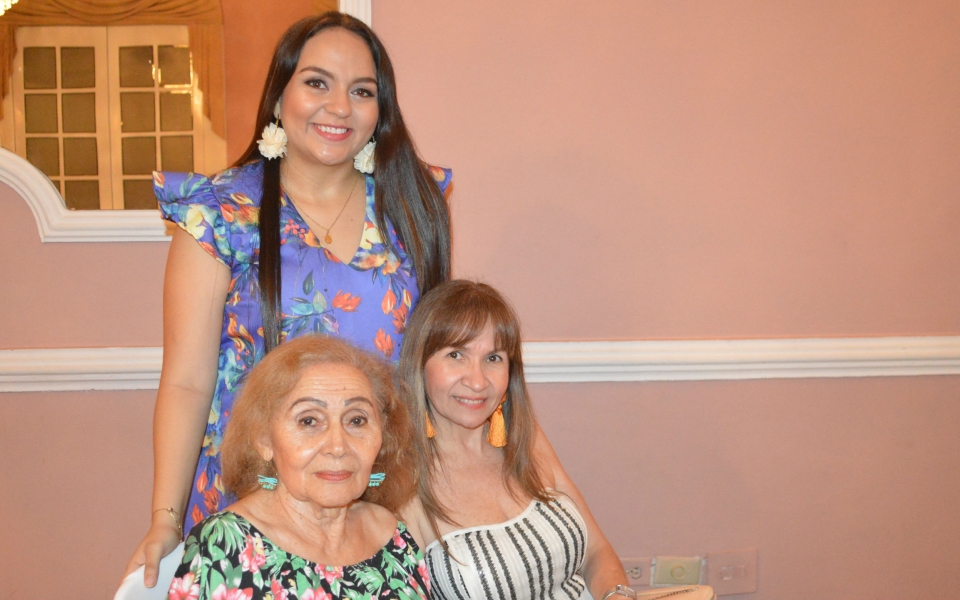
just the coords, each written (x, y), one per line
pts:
(74, 369)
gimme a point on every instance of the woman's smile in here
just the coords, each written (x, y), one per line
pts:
(333, 133)
(471, 403)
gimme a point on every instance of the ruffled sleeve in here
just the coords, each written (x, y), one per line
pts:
(192, 202)
(442, 176)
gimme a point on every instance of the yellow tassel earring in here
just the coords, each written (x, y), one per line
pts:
(497, 433)
(430, 431)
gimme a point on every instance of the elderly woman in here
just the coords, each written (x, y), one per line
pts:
(498, 514)
(316, 429)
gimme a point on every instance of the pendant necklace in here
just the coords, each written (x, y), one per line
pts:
(327, 239)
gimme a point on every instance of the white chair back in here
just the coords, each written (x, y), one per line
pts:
(132, 587)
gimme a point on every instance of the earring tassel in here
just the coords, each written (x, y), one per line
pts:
(497, 433)
(430, 432)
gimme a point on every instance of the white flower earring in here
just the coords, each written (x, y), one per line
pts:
(363, 161)
(274, 141)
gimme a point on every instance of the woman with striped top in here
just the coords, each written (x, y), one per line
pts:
(498, 515)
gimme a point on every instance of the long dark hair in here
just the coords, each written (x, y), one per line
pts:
(406, 194)
(454, 314)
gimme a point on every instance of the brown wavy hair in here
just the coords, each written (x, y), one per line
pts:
(406, 194)
(269, 384)
(453, 314)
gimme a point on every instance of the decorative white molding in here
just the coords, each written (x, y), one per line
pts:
(361, 9)
(77, 369)
(59, 224)
(554, 362)
(698, 360)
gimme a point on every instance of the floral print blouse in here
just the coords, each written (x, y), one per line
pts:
(227, 558)
(366, 301)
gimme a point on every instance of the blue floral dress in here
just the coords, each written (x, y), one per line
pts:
(366, 301)
(228, 558)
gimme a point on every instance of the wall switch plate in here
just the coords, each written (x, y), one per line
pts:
(732, 572)
(638, 571)
(676, 570)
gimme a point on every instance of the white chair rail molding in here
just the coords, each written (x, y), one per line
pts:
(76, 369)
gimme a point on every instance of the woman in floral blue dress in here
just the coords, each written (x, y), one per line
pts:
(329, 223)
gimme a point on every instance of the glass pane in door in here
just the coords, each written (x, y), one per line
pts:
(77, 68)
(138, 194)
(79, 112)
(40, 68)
(174, 62)
(139, 155)
(40, 113)
(44, 154)
(137, 112)
(176, 153)
(176, 112)
(82, 195)
(136, 66)
(80, 156)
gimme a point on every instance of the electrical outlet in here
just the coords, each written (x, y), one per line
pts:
(638, 571)
(732, 572)
(676, 570)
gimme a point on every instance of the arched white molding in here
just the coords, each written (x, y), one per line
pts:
(59, 224)
(361, 9)
(68, 369)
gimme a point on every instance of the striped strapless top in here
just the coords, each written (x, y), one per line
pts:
(537, 554)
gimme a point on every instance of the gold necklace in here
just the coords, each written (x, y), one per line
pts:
(327, 239)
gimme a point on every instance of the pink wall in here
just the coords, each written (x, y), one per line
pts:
(720, 169)
(692, 169)
(75, 493)
(848, 488)
(67, 295)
